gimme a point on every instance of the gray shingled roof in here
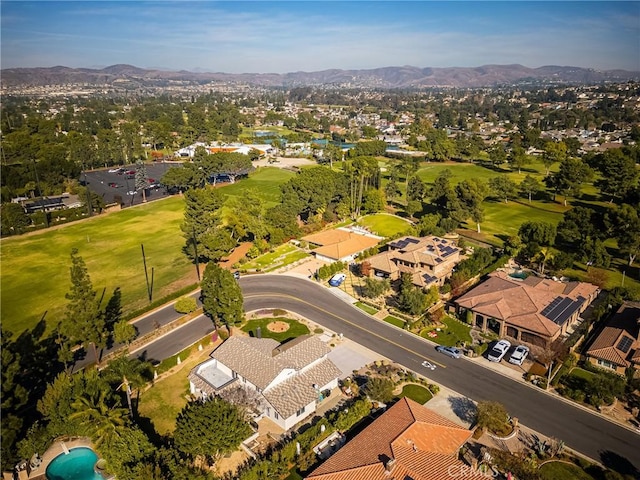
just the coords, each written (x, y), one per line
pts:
(260, 360)
(291, 395)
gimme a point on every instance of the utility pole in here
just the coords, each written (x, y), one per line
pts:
(195, 246)
(44, 211)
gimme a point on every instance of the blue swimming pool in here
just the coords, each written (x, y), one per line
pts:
(78, 464)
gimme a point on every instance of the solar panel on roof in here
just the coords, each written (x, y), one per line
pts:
(624, 344)
(561, 309)
(412, 240)
(545, 312)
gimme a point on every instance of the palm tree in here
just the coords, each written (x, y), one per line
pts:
(129, 375)
(103, 422)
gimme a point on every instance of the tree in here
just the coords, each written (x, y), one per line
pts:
(416, 189)
(518, 158)
(530, 186)
(379, 389)
(576, 226)
(392, 190)
(201, 219)
(540, 233)
(180, 179)
(373, 201)
(411, 299)
(210, 429)
(124, 332)
(491, 416)
(128, 375)
(497, 155)
(503, 187)
(569, 179)
(83, 321)
(627, 231)
(374, 287)
(553, 152)
(103, 421)
(221, 297)
(619, 173)
(471, 193)
(13, 219)
(141, 180)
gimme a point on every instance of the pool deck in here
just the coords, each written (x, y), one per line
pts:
(57, 448)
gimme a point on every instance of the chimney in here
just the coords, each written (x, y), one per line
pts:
(389, 465)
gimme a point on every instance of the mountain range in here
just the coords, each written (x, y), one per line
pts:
(386, 77)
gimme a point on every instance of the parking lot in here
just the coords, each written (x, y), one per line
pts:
(119, 187)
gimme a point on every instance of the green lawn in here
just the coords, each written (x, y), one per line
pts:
(366, 308)
(282, 255)
(165, 399)
(502, 220)
(296, 328)
(385, 225)
(265, 181)
(394, 321)
(563, 471)
(417, 393)
(35, 268)
(583, 374)
(454, 332)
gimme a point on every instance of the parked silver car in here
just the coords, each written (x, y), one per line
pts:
(452, 352)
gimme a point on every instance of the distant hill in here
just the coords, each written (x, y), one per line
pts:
(386, 77)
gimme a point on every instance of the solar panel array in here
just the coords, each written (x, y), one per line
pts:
(625, 344)
(561, 309)
(402, 243)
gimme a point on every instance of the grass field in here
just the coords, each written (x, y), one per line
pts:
(163, 401)
(454, 333)
(366, 308)
(283, 255)
(385, 225)
(563, 471)
(35, 267)
(295, 328)
(394, 321)
(417, 393)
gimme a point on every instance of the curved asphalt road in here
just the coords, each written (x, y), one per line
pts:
(581, 430)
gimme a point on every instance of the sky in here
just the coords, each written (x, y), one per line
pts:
(289, 36)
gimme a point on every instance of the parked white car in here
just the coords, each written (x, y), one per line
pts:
(499, 350)
(519, 354)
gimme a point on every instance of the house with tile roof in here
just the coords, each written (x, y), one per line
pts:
(535, 310)
(430, 260)
(617, 346)
(289, 378)
(341, 245)
(408, 441)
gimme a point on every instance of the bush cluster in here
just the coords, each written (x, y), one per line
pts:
(327, 271)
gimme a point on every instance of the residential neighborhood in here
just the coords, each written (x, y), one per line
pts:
(355, 241)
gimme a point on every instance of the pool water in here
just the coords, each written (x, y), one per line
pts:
(519, 274)
(78, 464)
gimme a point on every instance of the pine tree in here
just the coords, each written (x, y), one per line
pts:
(221, 296)
(83, 322)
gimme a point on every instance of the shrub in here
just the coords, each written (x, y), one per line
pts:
(480, 349)
(186, 305)
(380, 389)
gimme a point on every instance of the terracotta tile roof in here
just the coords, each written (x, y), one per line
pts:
(337, 243)
(422, 444)
(328, 237)
(291, 395)
(383, 262)
(624, 324)
(259, 361)
(521, 302)
(351, 246)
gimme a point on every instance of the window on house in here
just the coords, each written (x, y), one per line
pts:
(301, 411)
(606, 364)
(276, 416)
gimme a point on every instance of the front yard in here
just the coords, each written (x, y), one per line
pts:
(453, 333)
